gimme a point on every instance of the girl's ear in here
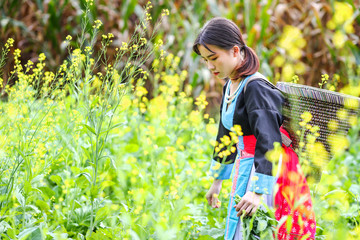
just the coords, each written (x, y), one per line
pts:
(236, 50)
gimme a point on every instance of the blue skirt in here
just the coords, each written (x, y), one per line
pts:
(243, 172)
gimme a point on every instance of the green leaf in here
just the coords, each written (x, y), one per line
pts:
(35, 235)
(131, 148)
(4, 226)
(94, 102)
(47, 192)
(86, 175)
(101, 214)
(91, 129)
(87, 153)
(27, 187)
(24, 234)
(56, 179)
(110, 128)
(134, 235)
(94, 191)
(75, 170)
(11, 233)
(214, 232)
(163, 141)
(261, 226)
(42, 205)
(20, 198)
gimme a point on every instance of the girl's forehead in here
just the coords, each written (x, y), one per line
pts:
(207, 50)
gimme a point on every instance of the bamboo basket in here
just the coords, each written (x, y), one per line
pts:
(323, 106)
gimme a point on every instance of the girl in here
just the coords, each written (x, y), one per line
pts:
(258, 111)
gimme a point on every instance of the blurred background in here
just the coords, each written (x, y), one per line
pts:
(291, 37)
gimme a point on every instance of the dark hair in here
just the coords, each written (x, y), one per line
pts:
(225, 34)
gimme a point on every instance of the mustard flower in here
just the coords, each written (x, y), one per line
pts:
(97, 24)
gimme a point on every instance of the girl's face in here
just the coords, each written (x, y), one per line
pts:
(221, 62)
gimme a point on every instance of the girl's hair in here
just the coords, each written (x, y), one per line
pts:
(225, 34)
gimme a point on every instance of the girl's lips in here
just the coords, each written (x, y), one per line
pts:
(216, 73)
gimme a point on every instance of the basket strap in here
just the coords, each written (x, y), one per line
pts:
(258, 76)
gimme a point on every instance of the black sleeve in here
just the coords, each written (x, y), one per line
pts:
(263, 105)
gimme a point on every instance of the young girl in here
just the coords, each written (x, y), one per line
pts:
(258, 111)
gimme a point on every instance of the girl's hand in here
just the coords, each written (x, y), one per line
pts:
(213, 193)
(249, 203)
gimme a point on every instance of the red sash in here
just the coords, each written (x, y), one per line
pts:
(292, 195)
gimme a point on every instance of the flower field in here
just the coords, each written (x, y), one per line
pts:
(90, 151)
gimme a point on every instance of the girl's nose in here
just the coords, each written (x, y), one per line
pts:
(210, 65)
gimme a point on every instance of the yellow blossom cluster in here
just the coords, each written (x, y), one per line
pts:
(9, 43)
(165, 12)
(292, 41)
(124, 46)
(201, 101)
(97, 24)
(227, 143)
(341, 23)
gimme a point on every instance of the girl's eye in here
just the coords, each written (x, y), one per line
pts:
(213, 59)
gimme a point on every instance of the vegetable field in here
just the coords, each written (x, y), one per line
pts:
(113, 138)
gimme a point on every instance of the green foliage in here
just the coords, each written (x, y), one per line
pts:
(337, 195)
(89, 152)
(261, 224)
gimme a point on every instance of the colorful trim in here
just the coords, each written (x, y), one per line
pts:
(227, 113)
(232, 195)
(243, 165)
(220, 171)
(262, 184)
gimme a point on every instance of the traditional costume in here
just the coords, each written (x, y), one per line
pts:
(258, 111)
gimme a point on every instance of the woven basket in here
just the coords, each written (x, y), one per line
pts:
(323, 106)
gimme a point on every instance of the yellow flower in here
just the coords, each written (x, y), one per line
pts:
(165, 12)
(97, 24)
(9, 43)
(288, 72)
(195, 118)
(225, 140)
(318, 154)
(351, 103)
(143, 41)
(279, 61)
(342, 114)
(140, 91)
(343, 12)
(216, 166)
(306, 116)
(237, 130)
(300, 68)
(353, 120)
(159, 43)
(339, 39)
(124, 46)
(295, 52)
(338, 143)
(332, 125)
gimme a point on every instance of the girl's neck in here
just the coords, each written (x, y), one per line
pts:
(236, 80)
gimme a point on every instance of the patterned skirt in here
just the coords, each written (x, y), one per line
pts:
(290, 197)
